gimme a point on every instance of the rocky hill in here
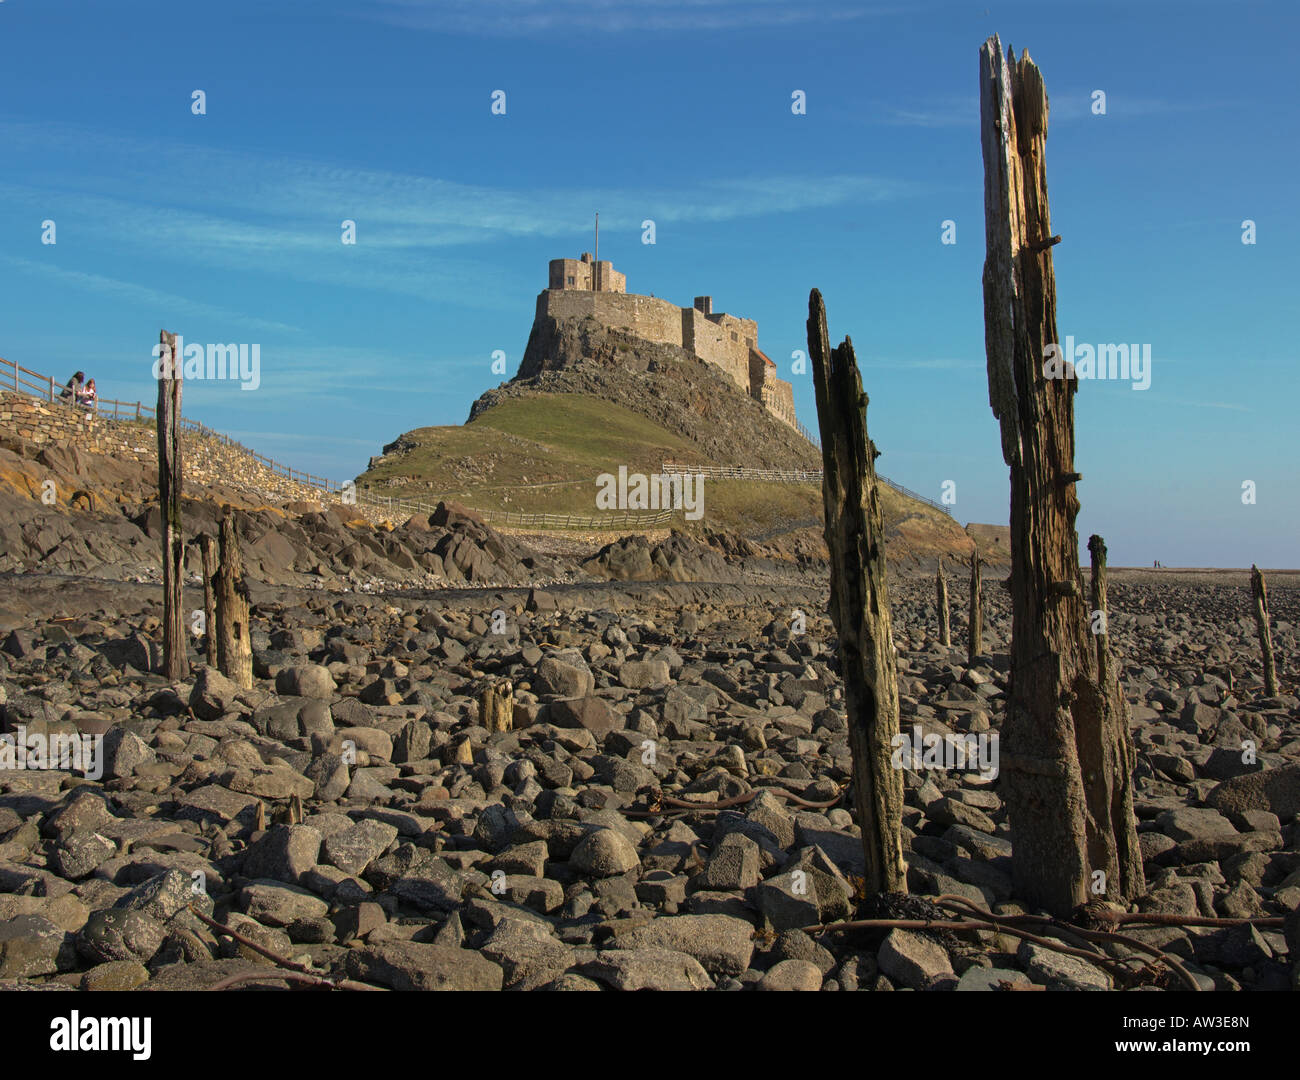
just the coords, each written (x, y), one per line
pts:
(588, 398)
(670, 386)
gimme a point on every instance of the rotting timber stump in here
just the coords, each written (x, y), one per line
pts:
(234, 644)
(176, 665)
(1065, 780)
(859, 601)
(941, 600)
(1259, 596)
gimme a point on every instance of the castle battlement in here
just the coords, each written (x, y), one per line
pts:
(586, 288)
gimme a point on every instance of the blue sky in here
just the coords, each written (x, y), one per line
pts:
(226, 227)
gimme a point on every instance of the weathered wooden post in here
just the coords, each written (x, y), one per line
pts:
(1064, 771)
(234, 647)
(170, 479)
(1116, 739)
(1260, 594)
(1099, 619)
(975, 624)
(208, 550)
(941, 597)
(859, 600)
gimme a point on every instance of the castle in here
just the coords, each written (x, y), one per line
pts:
(582, 287)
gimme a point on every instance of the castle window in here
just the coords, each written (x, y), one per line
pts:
(734, 337)
(570, 279)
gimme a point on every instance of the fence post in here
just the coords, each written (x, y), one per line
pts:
(51, 389)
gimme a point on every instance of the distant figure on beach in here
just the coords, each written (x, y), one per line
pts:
(88, 396)
(72, 392)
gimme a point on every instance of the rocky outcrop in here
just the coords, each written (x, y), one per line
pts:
(668, 385)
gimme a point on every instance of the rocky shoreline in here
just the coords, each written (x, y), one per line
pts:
(354, 812)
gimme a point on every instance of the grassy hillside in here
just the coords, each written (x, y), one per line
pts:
(543, 452)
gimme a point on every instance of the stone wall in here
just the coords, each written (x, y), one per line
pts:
(41, 424)
(645, 316)
(207, 460)
(776, 394)
(722, 340)
(726, 341)
(576, 274)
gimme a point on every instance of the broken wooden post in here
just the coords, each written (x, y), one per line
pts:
(941, 598)
(859, 602)
(496, 706)
(234, 647)
(176, 664)
(1063, 768)
(208, 551)
(1116, 738)
(1260, 594)
(975, 623)
(1099, 620)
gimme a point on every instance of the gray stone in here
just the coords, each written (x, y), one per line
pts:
(285, 853)
(734, 864)
(1196, 823)
(528, 954)
(275, 903)
(644, 674)
(990, 978)
(649, 969)
(411, 965)
(722, 944)
(31, 945)
(563, 679)
(913, 960)
(592, 713)
(1057, 971)
(120, 934)
(213, 695)
(355, 848)
(123, 752)
(81, 853)
(1275, 790)
(164, 895)
(307, 680)
(604, 853)
(792, 975)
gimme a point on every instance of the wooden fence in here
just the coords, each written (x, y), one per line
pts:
(785, 476)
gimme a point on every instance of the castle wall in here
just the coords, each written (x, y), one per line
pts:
(777, 395)
(645, 316)
(779, 399)
(726, 341)
(577, 274)
(721, 340)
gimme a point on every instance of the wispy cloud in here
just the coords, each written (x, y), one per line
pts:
(956, 111)
(523, 18)
(416, 235)
(941, 363)
(167, 304)
(1229, 405)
